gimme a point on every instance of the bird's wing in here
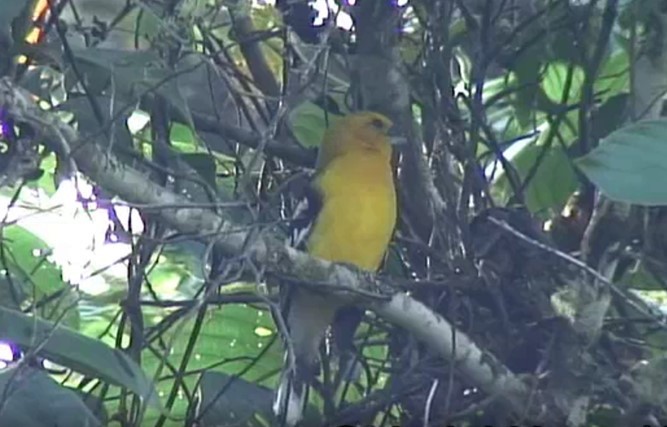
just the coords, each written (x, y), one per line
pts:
(292, 392)
(304, 216)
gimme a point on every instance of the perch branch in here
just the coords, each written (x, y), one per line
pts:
(399, 308)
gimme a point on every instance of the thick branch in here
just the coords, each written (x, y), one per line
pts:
(399, 308)
(252, 50)
(291, 153)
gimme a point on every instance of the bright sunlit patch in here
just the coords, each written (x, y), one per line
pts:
(261, 331)
(6, 352)
(137, 121)
(128, 216)
(74, 228)
(470, 391)
(325, 7)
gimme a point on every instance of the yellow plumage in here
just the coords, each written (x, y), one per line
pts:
(354, 225)
(358, 211)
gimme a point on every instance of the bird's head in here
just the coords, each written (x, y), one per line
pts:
(362, 132)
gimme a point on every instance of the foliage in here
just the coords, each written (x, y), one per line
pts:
(515, 116)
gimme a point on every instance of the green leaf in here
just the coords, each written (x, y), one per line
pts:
(47, 181)
(525, 79)
(555, 77)
(183, 138)
(554, 181)
(614, 76)
(230, 339)
(85, 355)
(34, 399)
(551, 185)
(36, 277)
(630, 164)
(309, 123)
(642, 278)
(228, 400)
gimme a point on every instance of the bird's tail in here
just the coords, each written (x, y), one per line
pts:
(290, 398)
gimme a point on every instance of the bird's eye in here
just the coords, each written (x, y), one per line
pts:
(378, 124)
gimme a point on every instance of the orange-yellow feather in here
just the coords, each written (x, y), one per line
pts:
(355, 181)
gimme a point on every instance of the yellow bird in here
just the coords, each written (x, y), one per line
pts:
(349, 218)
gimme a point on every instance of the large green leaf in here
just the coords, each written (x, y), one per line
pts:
(35, 400)
(78, 352)
(630, 165)
(230, 338)
(228, 400)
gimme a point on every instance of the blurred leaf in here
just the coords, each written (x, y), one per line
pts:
(309, 123)
(11, 294)
(229, 341)
(265, 18)
(38, 277)
(614, 76)
(47, 182)
(228, 400)
(119, 136)
(555, 77)
(183, 138)
(552, 184)
(649, 378)
(525, 83)
(101, 67)
(94, 404)
(131, 75)
(11, 10)
(125, 28)
(640, 278)
(629, 165)
(554, 181)
(177, 274)
(34, 399)
(204, 164)
(609, 116)
(85, 355)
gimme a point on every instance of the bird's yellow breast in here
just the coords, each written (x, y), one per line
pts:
(358, 211)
